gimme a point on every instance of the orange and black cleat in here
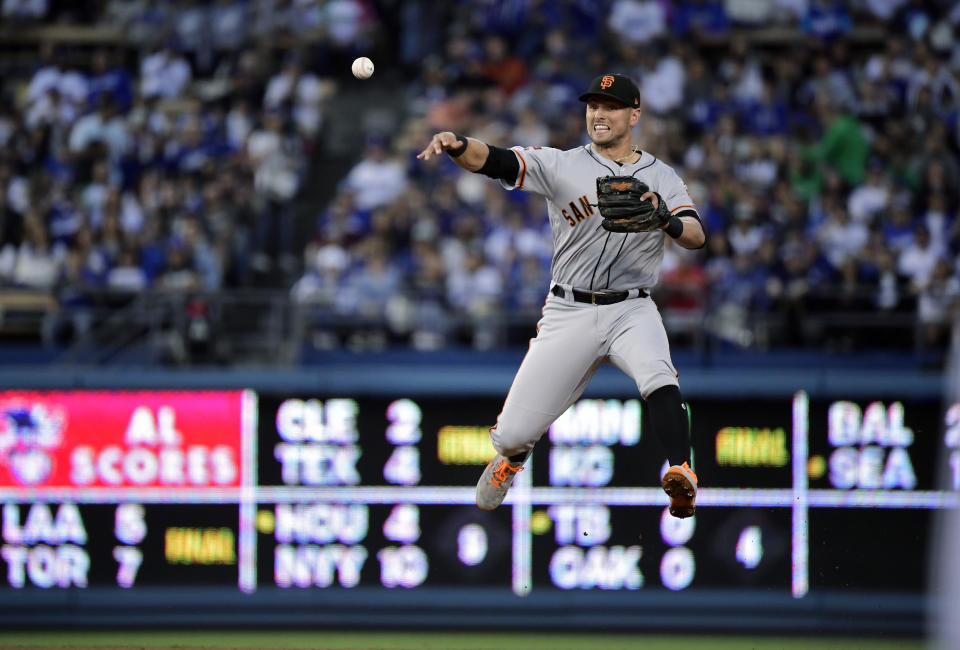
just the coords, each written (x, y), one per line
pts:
(681, 484)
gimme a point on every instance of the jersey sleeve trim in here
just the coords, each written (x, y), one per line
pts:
(681, 207)
(523, 169)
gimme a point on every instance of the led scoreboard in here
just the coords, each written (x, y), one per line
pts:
(128, 490)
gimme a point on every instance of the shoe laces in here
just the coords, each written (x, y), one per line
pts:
(504, 471)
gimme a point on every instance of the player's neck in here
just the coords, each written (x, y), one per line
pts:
(622, 154)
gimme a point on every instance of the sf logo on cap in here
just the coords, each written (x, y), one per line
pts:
(606, 82)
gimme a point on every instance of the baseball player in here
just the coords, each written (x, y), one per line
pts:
(610, 206)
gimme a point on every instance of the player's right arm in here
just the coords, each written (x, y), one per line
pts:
(471, 158)
(474, 156)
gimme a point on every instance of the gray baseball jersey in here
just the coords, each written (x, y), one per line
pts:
(585, 255)
(574, 338)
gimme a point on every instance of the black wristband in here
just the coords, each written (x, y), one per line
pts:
(454, 153)
(674, 227)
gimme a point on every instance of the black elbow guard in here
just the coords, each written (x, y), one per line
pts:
(501, 164)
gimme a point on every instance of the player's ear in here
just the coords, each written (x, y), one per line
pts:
(634, 116)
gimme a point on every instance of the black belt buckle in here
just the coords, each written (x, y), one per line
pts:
(608, 296)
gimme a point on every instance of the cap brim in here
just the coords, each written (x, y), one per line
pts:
(586, 97)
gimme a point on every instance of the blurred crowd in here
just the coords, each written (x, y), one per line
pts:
(819, 140)
(168, 156)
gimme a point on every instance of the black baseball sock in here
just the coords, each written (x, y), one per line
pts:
(668, 418)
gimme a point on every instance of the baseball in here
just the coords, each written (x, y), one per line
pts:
(362, 67)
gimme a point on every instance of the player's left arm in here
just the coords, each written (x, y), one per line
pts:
(692, 234)
(684, 224)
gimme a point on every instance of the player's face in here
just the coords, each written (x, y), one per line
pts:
(609, 121)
